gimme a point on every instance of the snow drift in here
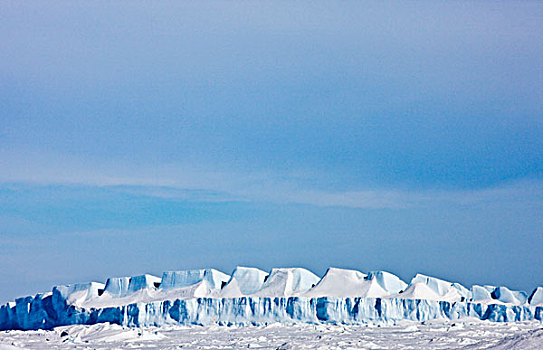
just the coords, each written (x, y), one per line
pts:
(244, 281)
(252, 296)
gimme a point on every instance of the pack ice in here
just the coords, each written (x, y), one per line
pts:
(253, 296)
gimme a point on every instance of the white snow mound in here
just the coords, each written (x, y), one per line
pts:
(339, 283)
(389, 282)
(285, 282)
(244, 281)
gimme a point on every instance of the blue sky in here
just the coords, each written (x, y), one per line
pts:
(141, 137)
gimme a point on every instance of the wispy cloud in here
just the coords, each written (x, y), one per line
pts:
(200, 184)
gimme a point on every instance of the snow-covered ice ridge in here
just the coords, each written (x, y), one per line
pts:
(253, 296)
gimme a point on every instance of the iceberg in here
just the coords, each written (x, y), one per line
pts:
(251, 296)
(536, 298)
(492, 294)
(79, 293)
(244, 281)
(284, 282)
(173, 284)
(389, 282)
(181, 279)
(344, 283)
(445, 290)
(191, 284)
(117, 286)
(338, 283)
(479, 293)
(505, 295)
(141, 283)
(418, 290)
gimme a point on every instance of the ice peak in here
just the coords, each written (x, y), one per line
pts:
(288, 282)
(339, 283)
(388, 281)
(244, 281)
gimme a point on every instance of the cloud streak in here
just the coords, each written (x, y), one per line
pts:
(199, 184)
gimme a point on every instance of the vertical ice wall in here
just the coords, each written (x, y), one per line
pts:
(251, 296)
(117, 286)
(181, 279)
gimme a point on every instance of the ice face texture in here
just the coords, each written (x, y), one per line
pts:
(284, 282)
(79, 293)
(244, 281)
(251, 296)
(536, 298)
(389, 282)
(117, 286)
(181, 279)
(143, 282)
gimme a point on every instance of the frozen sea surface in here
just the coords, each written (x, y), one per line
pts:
(405, 335)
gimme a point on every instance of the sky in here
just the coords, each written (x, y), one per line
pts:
(140, 137)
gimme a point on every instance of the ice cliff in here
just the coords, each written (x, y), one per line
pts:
(252, 296)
